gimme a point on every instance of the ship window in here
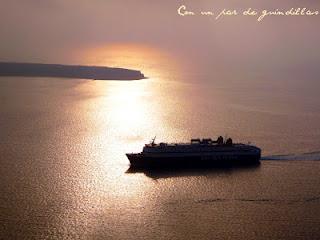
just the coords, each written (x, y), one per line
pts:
(195, 141)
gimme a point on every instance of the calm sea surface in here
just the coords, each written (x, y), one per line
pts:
(63, 169)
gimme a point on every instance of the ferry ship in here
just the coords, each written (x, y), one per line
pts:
(198, 152)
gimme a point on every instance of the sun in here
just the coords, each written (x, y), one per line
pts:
(151, 61)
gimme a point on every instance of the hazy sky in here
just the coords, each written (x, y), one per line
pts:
(56, 30)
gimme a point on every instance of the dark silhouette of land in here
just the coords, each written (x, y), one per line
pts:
(68, 71)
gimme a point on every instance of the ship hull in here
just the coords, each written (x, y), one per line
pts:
(142, 160)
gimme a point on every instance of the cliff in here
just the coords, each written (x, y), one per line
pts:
(68, 71)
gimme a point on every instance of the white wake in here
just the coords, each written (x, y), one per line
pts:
(311, 156)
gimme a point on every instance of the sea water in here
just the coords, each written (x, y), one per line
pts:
(64, 173)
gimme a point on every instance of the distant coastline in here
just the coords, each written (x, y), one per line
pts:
(68, 71)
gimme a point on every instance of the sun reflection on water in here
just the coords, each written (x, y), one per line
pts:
(127, 105)
(127, 114)
(132, 109)
(120, 118)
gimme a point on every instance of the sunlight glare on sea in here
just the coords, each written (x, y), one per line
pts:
(64, 173)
